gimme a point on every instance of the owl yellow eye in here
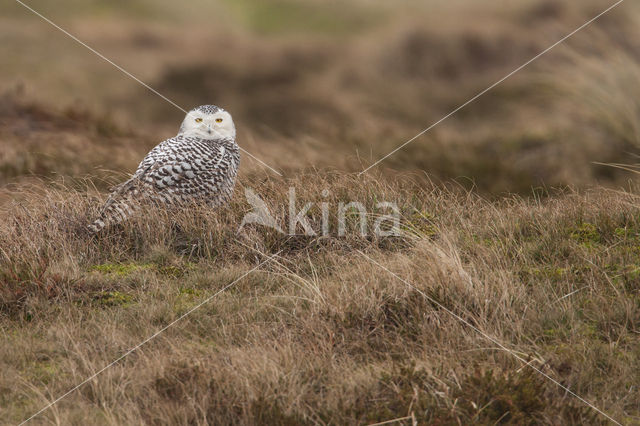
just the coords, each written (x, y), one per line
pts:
(218, 120)
(198, 120)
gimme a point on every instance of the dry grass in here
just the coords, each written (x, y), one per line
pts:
(319, 334)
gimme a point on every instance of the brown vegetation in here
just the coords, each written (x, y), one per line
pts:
(320, 334)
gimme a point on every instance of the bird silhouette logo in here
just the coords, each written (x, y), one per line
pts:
(260, 214)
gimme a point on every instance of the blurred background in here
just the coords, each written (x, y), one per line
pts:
(327, 84)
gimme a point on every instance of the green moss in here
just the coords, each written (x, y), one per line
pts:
(113, 298)
(621, 232)
(188, 291)
(551, 332)
(586, 234)
(421, 223)
(589, 331)
(628, 232)
(187, 298)
(126, 269)
(546, 273)
(120, 269)
(172, 271)
(44, 371)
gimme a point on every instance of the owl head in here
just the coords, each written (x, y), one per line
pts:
(208, 122)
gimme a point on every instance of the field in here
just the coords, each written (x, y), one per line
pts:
(516, 262)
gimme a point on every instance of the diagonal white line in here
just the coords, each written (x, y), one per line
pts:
(488, 337)
(128, 74)
(367, 257)
(103, 57)
(261, 162)
(399, 419)
(153, 336)
(563, 39)
(527, 364)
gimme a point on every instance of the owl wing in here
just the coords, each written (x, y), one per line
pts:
(171, 172)
(159, 153)
(185, 170)
(124, 198)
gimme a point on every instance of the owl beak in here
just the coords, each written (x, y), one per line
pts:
(209, 130)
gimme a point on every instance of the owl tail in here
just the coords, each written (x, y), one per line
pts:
(96, 226)
(114, 212)
(120, 206)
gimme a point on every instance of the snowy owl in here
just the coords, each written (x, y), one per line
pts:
(199, 165)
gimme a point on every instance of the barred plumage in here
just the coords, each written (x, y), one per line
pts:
(198, 165)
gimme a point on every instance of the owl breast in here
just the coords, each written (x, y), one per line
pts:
(189, 169)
